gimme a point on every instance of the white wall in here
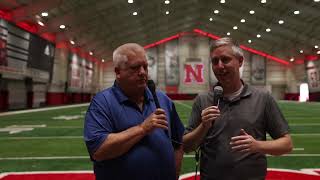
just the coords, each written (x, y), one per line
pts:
(17, 94)
(60, 70)
(39, 94)
(108, 75)
(194, 49)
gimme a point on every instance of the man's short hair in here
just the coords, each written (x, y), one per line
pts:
(120, 55)
(226, 41)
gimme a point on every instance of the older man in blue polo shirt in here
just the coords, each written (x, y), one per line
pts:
(126, 135)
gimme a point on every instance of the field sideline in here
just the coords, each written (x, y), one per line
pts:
(51, 139)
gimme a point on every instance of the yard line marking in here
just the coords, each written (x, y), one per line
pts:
(298, 149)
(302, 134)
(42, 109)
(46, 158)
(300, 155)
(66, 127)
(183, 104)
(14, 129)
(287, 155)
(43, 137)
(80, 137)
(188, 155)
(87, 157)
(305, 124)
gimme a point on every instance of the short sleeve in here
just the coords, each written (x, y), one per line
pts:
(97, 126)
(276, 124)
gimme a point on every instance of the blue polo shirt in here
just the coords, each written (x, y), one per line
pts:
(152, 158)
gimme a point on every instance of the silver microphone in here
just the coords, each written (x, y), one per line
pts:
(217, 95)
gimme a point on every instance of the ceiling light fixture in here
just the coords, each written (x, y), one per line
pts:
(263, 1)
(301, 51)
(91, 53)
(228, 33)
(249, 41)
(211, 19)
(318, 52)
(268, 30)
(296, 12)
(316, 0)
(62, 26)
(235, 27)
(216, 11)
(243, 20)
(291, 59)
(258, 36)
(102, 60)
(222, 1)
(280, 21)
(251, 12)
(44, 14)
(167, 12)
(130, 1)
(316, 46)
(72, 42)
(167, 2)
(135, 13)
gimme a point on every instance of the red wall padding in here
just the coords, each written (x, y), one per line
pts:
(56, 98)
(4, 100)
(182, 96)
(295, 96)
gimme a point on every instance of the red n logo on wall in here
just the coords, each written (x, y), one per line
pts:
(193, 73)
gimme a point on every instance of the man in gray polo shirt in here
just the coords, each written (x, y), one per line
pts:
(232, 135)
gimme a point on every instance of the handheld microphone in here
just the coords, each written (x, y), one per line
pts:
(217, 95)
(152, 88)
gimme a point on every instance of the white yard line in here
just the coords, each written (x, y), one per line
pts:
(309, 134)
(79, 137)
(304, 124)
(43, 137)
(87, 157)
(286, 155)
(46, 158)
(300, 155)
(183, 104)
(42, 109)
(66, 127)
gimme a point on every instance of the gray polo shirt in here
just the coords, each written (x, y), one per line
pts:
(254, 111)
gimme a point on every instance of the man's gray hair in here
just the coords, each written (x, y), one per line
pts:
(120, 55)
(226, 41)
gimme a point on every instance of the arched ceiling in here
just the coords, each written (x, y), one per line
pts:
(102, 25)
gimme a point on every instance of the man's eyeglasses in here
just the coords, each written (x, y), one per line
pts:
(223, 59)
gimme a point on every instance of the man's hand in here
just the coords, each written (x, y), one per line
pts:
(209, 115)
(157, 119)
(244, 143)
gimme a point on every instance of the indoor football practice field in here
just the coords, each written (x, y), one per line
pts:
(51, 139)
